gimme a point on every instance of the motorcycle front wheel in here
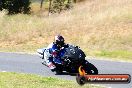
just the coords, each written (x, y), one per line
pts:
(90, 69)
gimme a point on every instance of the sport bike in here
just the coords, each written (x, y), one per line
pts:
(72, 58)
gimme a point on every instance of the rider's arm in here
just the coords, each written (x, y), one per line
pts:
(54, 51)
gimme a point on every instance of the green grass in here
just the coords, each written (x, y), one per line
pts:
(15, 80)
(117, 55)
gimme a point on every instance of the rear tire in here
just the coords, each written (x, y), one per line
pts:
(58, 72)
(58, 69)
(80, 80)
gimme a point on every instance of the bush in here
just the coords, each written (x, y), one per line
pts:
(59, 5)
(15, 6)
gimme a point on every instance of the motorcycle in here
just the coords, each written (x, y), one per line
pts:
(72, 57)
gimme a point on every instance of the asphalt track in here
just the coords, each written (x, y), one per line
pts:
(27, 63)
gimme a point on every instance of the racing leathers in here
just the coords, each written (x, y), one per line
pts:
(56, 52)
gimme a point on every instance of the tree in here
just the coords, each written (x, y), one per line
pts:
(50, 2)
(16, 6)
(1, 5)
(41, 4)
(74, 1)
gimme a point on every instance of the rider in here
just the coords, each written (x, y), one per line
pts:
(54, 49)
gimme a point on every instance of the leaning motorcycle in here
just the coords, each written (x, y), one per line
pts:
(72, 57)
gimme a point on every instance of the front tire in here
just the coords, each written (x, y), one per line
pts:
(90, 69)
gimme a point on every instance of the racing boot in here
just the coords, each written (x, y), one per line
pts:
(51, 66)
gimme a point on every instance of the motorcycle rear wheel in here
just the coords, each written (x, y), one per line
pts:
(58, 69)
(81, 80)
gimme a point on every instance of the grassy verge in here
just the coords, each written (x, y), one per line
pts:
(15, 80)
(115, 55)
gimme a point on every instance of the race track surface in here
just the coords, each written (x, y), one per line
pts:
(26, 63)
